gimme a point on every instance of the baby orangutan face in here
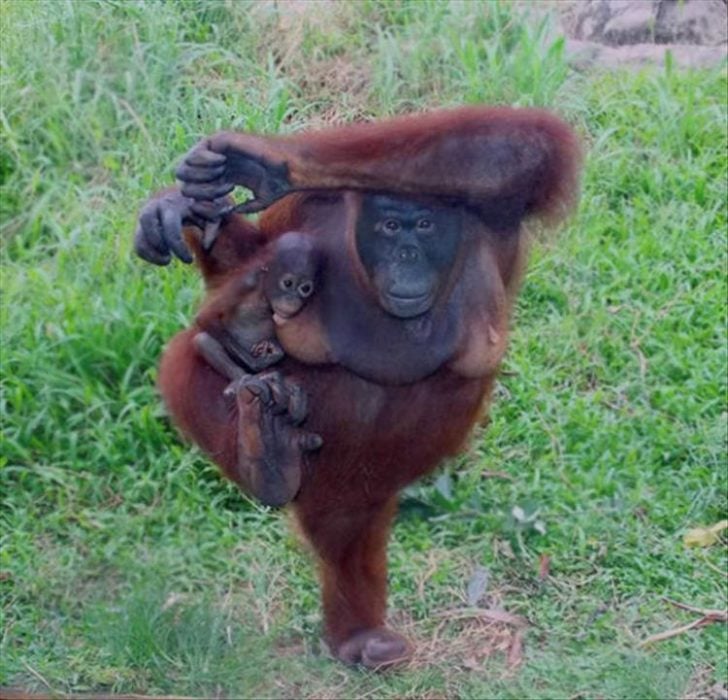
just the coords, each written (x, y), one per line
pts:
(292, 275)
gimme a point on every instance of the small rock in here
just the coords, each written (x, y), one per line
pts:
(629, 22)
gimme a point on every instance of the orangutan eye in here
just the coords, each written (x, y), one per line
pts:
(287, 283)
(305, 289)
(424, 225)
(391, 226)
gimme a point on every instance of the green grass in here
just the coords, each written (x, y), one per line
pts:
(128, 565)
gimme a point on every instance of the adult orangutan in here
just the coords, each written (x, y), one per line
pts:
(418, 222)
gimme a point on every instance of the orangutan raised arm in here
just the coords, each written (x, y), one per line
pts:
(526, 158)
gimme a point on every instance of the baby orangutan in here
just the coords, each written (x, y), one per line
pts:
(237, 326)
(236, 334)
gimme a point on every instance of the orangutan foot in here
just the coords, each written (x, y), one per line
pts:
(375, 648)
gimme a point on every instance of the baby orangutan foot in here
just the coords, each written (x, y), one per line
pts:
(376, 649)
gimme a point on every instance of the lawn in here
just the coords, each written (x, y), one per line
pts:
(128, 564)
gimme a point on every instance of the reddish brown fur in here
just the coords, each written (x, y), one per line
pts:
(226, 291)
(400, 156)
(241, 242)
(378, 438)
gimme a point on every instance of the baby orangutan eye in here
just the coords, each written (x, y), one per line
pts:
(305, 289)
(287, 283)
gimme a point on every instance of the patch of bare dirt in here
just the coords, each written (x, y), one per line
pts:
(337, 82)
(702, 686)
(469, 638)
